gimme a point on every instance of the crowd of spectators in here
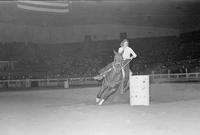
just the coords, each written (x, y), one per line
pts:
(155, 56)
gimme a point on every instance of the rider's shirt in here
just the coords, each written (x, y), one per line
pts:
(127, 52)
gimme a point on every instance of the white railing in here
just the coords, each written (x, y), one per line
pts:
(52, 82)
(177, 76)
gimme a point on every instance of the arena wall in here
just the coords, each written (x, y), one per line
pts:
(76, 33)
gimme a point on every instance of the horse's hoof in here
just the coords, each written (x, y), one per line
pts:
(101, 102)
(98, 77)
(98, 99)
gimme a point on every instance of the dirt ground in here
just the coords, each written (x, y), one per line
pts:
(174, 110)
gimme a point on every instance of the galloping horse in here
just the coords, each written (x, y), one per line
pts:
(112, 79)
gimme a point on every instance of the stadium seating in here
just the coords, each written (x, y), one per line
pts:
(155, 55)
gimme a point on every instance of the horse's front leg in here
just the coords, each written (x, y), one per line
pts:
(101, 91)
(110, 91)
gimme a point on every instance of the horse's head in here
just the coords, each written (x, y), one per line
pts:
(118, 60)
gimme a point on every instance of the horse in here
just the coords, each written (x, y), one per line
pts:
(112, 79)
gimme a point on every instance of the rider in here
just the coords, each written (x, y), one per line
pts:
(128, 54)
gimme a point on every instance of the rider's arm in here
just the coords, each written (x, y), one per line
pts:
(134, 55)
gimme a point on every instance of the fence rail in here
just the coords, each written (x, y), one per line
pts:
(52, 82)
(176, 77)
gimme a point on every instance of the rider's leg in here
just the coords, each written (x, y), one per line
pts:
(126, 79)
(126, 87)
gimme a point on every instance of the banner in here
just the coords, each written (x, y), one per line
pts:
(44, 6)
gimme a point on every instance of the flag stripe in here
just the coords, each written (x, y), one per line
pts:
(42, 6)
(45, 3)
(34, 8)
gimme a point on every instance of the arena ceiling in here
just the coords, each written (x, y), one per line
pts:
(178, 14)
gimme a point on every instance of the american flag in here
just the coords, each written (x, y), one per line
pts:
(44, 6)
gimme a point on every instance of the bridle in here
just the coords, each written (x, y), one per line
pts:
(121, 67)
(120, 63)
(114, 64)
